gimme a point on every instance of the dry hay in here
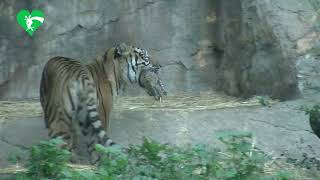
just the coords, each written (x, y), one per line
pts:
(20, 109)
(185, 102)
(20, 169)
(180, 102)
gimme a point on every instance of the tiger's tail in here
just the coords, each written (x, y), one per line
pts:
(94, 127)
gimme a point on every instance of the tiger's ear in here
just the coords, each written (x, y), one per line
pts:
(119, 50)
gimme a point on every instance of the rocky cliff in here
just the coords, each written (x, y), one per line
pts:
(242, 47)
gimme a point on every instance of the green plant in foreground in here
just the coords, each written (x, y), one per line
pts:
(314, 112)
(15, 156)
(113, 162)
(239, 161)
(48, 160)
(314, 118)
(264, 100)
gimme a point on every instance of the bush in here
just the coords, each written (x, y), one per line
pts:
(314, 118)
(151, 160)
(48, 159)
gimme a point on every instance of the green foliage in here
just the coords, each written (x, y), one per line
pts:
(285, 175)
(242, 159)
(313, 112)
(315, 4)
(314, 118)
(15, 156)
(113, 161)
(151, 160)
(264, 100)
(48, 160)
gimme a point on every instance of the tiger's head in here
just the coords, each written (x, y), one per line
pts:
(134, 64)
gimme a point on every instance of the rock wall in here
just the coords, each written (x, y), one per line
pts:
(260, 43)
(243, 47)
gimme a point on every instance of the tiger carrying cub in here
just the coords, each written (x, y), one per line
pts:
(77, 98)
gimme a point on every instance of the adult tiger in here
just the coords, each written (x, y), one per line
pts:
(77, 99)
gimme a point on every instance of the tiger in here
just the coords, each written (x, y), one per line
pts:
(77, 98)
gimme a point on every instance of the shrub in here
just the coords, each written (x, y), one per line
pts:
(151, 160)
(48, 160)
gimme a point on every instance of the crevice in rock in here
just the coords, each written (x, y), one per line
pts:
(279, 126)
(145, 5)
(289, 10)
(77, 28)
(96, 27)
(2, 139)
(111, 21)
(91, 10)
(174, 63)
(162, 49)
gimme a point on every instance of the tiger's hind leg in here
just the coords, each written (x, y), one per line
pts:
(60, 127)
(63, 123)
(79, 152)
(92, 126)
(97, 135)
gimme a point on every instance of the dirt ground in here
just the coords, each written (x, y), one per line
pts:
(280, 129)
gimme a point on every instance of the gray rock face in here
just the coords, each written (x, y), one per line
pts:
(243, 47)
(260, 45)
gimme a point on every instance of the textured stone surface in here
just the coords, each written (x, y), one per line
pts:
(240, 46)
(83, 29)
(260, 42)
(309, 74)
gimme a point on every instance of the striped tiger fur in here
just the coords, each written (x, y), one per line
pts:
(77, 98)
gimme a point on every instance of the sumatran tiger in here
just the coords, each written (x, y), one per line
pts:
(77, 98)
